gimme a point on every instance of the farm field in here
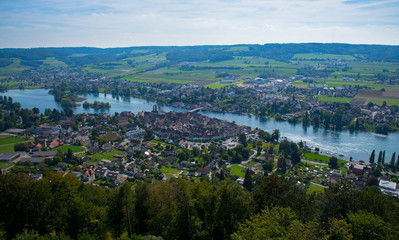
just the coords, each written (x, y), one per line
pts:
(391, 97)
(8, 139)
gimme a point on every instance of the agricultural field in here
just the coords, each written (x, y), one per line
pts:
(309, 56)
(7, 148)
(391, 96)
(8, 139)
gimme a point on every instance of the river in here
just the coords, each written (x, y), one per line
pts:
(358, 144)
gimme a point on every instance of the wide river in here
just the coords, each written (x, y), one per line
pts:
(358, 144)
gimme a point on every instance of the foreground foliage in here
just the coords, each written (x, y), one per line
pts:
(60, 207)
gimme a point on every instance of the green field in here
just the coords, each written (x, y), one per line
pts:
(8, 84)
(237, 170)
(107, 155)
(380, 101)
(169, 170)
(322, 56)
(7, 148)
(323, 98)
(65, 148)
(315, 188)
(8, 139)
(320, 157)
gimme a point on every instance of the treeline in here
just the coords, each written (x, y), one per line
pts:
(281, 52)
(60, 206)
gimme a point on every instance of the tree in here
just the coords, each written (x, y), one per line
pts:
(243, 139)
(333, 163)
(70, 154)
(21, 147)
(379, 157)
(148, 135)
(275, 135)
(281, 165)
(339, 229)
(383, 158)
(392, 163)
(372, 157)
(268, 165)
(248, 184)
(367, 225)
(121, 210)
(276, 223)
(397, 162)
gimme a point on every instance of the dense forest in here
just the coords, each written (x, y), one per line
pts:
(60, 207)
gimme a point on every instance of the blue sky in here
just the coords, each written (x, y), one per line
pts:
(119, 23)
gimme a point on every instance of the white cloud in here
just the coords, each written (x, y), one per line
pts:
(171, 22)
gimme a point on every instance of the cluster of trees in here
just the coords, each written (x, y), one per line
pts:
(97, 105)
(393, 163)
(59, 205)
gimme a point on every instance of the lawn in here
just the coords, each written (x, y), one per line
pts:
(316, 157)
(315, 188)
(65, 148)
(237, 170)
(107, 155)
(320, 158)
(169, 170)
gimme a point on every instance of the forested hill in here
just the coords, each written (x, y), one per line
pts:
(75, 56)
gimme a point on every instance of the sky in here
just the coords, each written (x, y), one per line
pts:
(124, 23)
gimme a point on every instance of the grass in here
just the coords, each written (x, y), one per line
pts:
(379, 100)
(320, 158)
(65, 148)
(169, 170)
(107, 155)
(218, 85)
(237, 170)
(8, 139)
(254, 165)
(8, 84)
(51, 61)
(7, 148)
(315, 188)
